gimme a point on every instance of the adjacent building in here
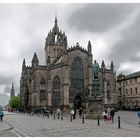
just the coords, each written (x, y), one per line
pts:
(128, 87)
(67, 77)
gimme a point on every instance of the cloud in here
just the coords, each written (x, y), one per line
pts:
(127, 49)
(99, 17)
(4, 99)
(113, 30)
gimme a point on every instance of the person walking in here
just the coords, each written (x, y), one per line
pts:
(139, 116)
(58, 113)
(112, 113)
(73, 114)
(1, 115)
(105, 114)
(80, 111)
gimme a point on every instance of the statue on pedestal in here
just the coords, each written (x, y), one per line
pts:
(96, 70)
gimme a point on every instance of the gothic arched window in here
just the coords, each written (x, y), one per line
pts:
(77, 74)
(56, 91)
(42, 81)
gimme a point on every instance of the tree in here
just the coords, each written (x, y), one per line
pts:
(15, 102)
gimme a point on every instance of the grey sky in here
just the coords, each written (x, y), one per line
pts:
(113, 30)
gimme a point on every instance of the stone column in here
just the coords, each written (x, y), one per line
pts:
(66, 79)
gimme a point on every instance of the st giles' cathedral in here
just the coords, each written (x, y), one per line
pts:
(67, 78)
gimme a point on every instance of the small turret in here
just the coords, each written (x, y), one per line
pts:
(89, 47)
(112, 66)
(103, 64)
(24, 64)
(35, 60)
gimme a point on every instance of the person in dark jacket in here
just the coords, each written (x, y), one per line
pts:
(112, 113)
(1, 115)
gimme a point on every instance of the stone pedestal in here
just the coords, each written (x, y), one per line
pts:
(95, 107)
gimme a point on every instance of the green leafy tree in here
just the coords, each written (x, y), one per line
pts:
(15, 102)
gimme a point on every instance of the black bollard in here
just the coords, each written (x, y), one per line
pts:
(83, 119)
(71, 118)
(54, 117)
(38, 114)
(61, 117)
(119, 124)
(98, 121)
(43, 115)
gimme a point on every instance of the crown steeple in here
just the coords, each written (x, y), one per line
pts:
(56, 36)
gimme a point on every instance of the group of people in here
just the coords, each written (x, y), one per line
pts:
(73, 112)
(109, 115)
(60, 112)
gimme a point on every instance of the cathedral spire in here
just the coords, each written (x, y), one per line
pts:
(12, 91)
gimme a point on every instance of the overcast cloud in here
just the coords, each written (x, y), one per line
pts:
(113, 30)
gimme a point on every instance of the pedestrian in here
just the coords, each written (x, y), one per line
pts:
(1, 115)
(58, 113)
(105, 114)
(73, 114)
(108, 110)
(80, 111)
(51, 112)
(139, 116)
(112, 113)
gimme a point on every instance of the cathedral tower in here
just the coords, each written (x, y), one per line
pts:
(56, 42)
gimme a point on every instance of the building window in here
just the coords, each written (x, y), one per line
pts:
(126, 82)
(136, 90)
(126, 91)
(77, 74)
(131, 90)
(42, 95)
(56, 91)
(42, 81)
(135, 79)
(120, 91)
(130, 81)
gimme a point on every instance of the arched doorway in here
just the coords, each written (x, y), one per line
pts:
(77, 102)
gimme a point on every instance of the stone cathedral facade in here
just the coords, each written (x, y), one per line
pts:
(67, 77)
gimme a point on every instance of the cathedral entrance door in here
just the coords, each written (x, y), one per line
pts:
(77, 102)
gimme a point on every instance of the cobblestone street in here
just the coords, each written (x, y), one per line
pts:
(24, 125)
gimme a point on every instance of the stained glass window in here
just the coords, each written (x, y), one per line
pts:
(56, 91)
(77, 74)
